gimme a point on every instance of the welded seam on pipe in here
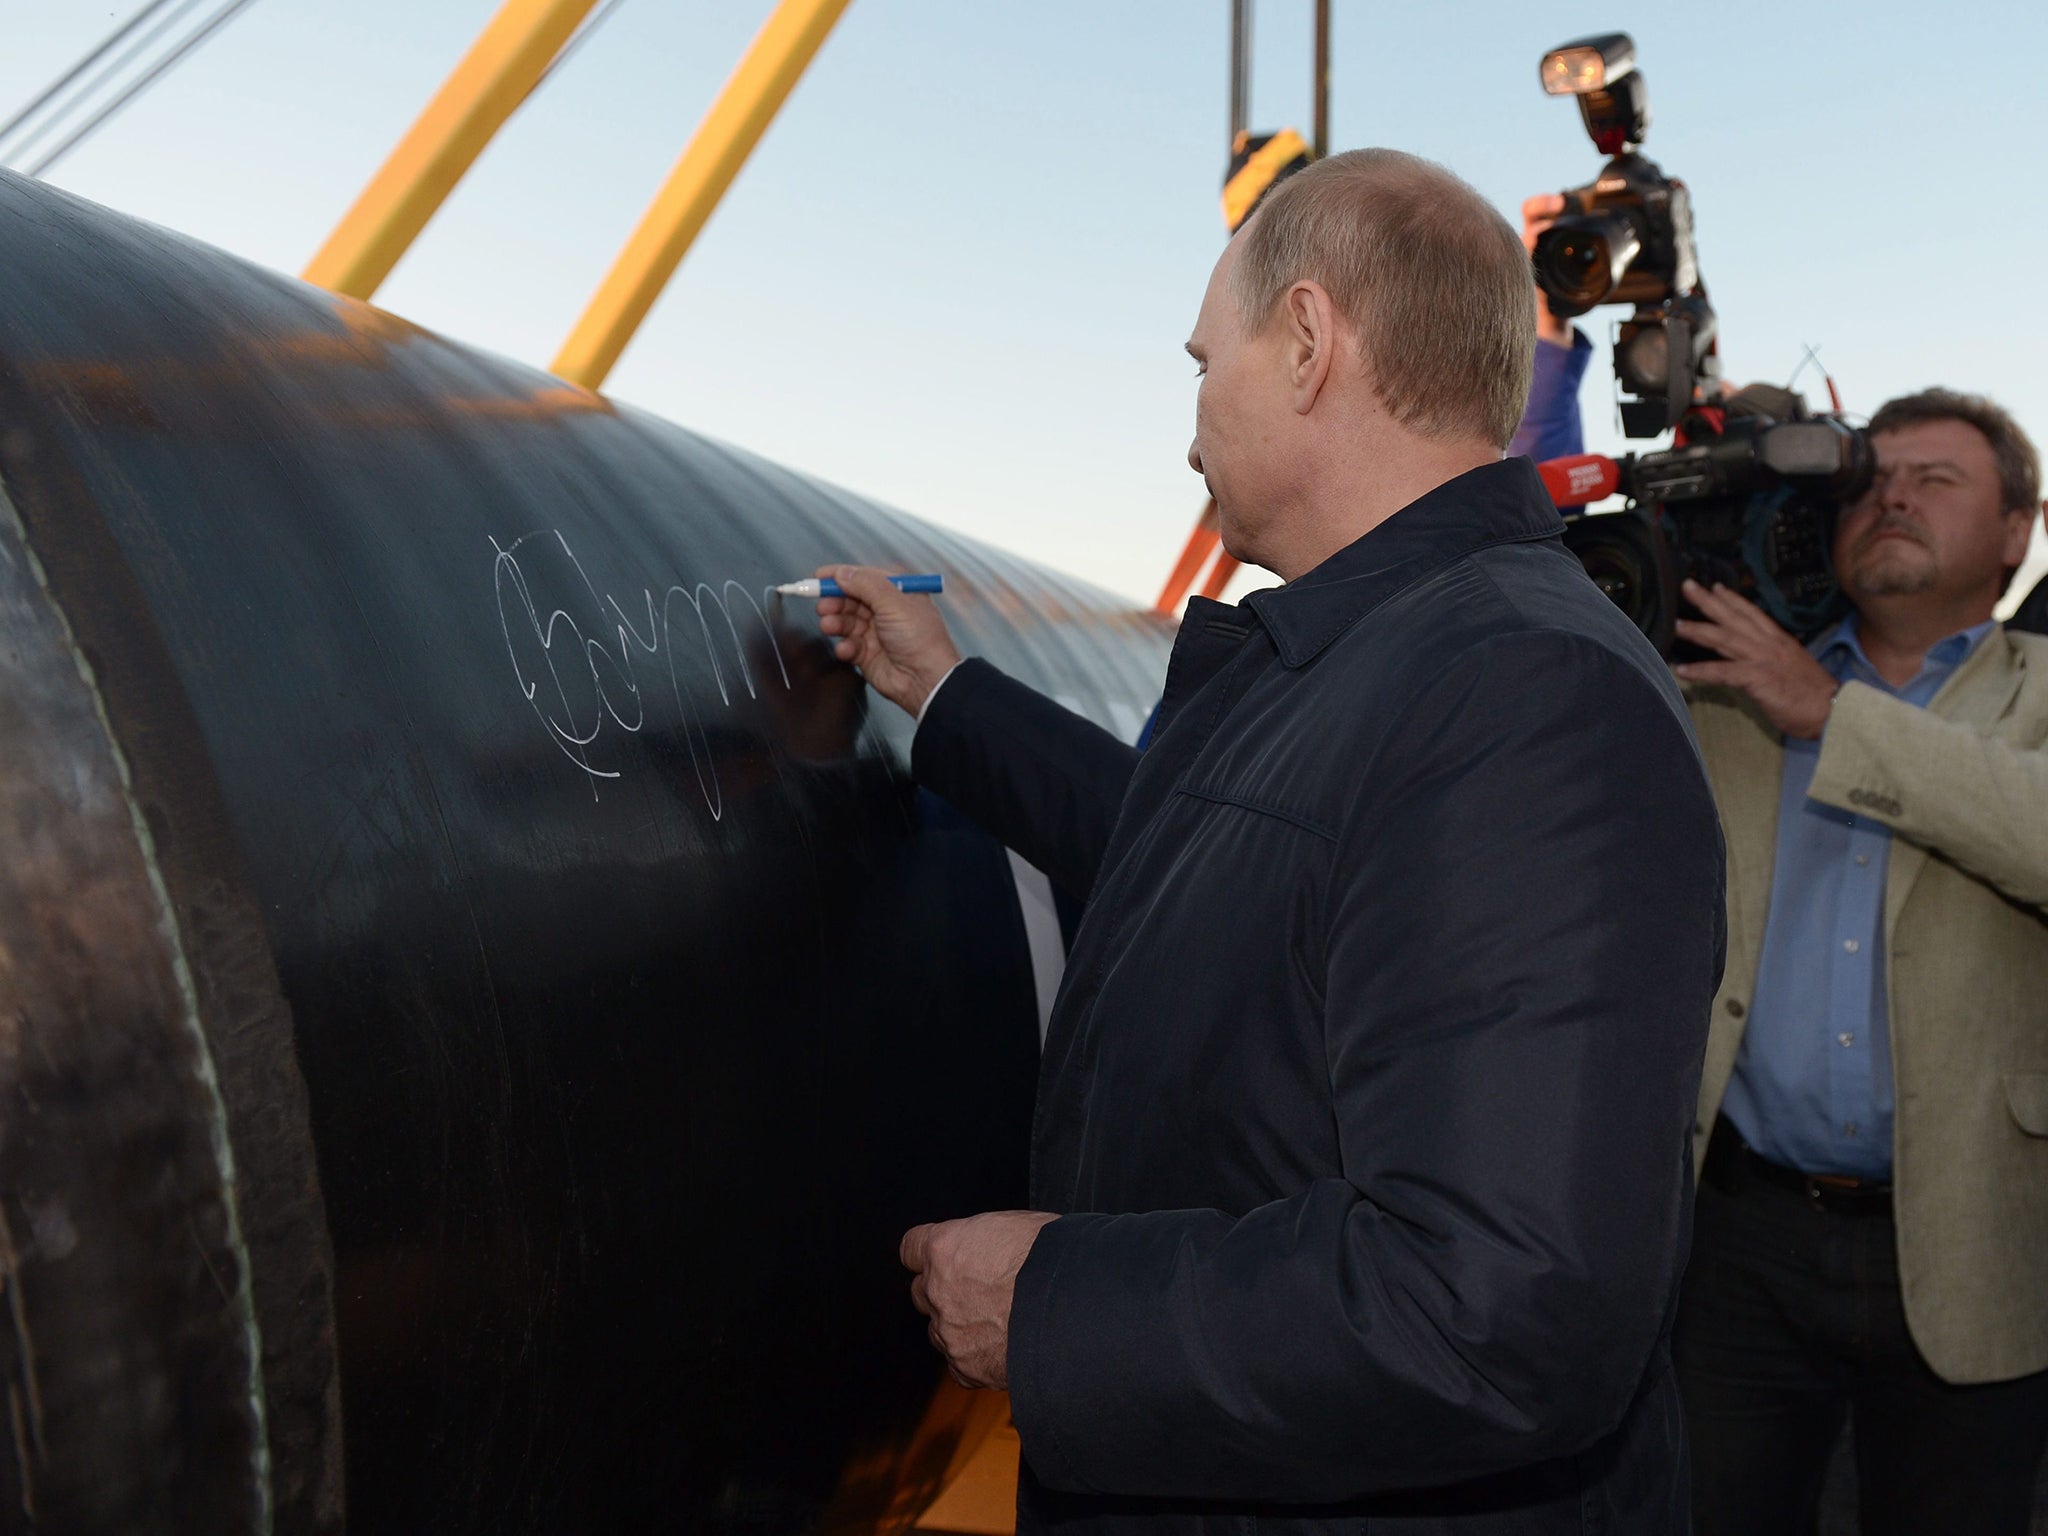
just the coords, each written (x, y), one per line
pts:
(188, 994)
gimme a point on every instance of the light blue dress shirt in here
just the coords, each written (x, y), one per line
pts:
(1813, 1083)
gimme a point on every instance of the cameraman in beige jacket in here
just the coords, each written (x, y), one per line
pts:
(1871, 1238)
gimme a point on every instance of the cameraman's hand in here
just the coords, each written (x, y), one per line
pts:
(1792, 689)
(1538, 214)
(899, 642)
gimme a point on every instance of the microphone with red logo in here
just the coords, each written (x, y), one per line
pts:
(1579, 478)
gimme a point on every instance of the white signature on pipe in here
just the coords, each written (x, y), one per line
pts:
(599, 649)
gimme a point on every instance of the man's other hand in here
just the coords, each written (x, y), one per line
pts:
(899, 642)
(1792, 689)
(964, 1274)
(1538, 214)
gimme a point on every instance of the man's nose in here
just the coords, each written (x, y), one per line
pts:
(1195, 456)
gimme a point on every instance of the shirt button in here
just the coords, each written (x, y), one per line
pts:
(1851, 945)
(1849, 1129)
(1862, 860)
(1846, 1037)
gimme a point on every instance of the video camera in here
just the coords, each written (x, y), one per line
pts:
(1749, 502)
(1749, 492)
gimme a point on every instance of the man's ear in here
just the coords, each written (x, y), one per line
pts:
(2019, 532)
(1311, 321)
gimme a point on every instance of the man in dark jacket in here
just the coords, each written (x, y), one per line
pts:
(1366, 1103)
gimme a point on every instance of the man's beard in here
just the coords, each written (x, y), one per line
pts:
(1891, 581)
(1879, 575)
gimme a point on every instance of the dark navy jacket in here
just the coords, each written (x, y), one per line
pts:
(1370, 1085)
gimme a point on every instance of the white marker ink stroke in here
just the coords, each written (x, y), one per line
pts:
(575, 724)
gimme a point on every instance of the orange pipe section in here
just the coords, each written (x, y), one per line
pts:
(1200, 546)
(1219, 576)
(979, 1496)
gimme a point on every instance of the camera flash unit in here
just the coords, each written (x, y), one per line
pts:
(1590, 64)
(1601, 73)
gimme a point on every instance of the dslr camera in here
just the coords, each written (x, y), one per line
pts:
(1749, 492)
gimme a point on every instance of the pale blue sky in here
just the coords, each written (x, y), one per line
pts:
(957, 274)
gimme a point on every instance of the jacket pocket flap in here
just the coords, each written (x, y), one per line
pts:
(2026, 1093)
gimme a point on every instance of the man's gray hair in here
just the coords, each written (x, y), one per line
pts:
(2019, 466)
(1436, 282)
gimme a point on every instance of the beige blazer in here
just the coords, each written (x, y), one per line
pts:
(1963, 785)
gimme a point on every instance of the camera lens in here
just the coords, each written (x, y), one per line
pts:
(1574, 266)
(1628, 560)
(1579, 259)
(1619, 574)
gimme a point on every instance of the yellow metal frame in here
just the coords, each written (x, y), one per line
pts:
(737, 119)
(495, 76)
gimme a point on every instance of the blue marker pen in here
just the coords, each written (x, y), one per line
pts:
(812, 586)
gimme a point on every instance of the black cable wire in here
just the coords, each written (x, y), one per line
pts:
(220, 18)
(83, 95)
(1240, 69)
(106, 45)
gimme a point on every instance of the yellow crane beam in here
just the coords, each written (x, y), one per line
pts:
(746, 106)
(495, 76)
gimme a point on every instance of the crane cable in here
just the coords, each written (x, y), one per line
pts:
(107, 44)
(54, 119)
(214, 23)
(221, 16)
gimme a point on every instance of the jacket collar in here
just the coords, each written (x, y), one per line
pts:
(1839, 648)
(1502, 503)
(1981, 689)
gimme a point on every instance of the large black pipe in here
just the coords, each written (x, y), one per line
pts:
(479, 994)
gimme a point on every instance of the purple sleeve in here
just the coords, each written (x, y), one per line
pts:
(1550, 425)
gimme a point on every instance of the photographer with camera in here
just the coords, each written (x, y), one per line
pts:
(1550, 425)
(1871, 1230)
(1872, 1225)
